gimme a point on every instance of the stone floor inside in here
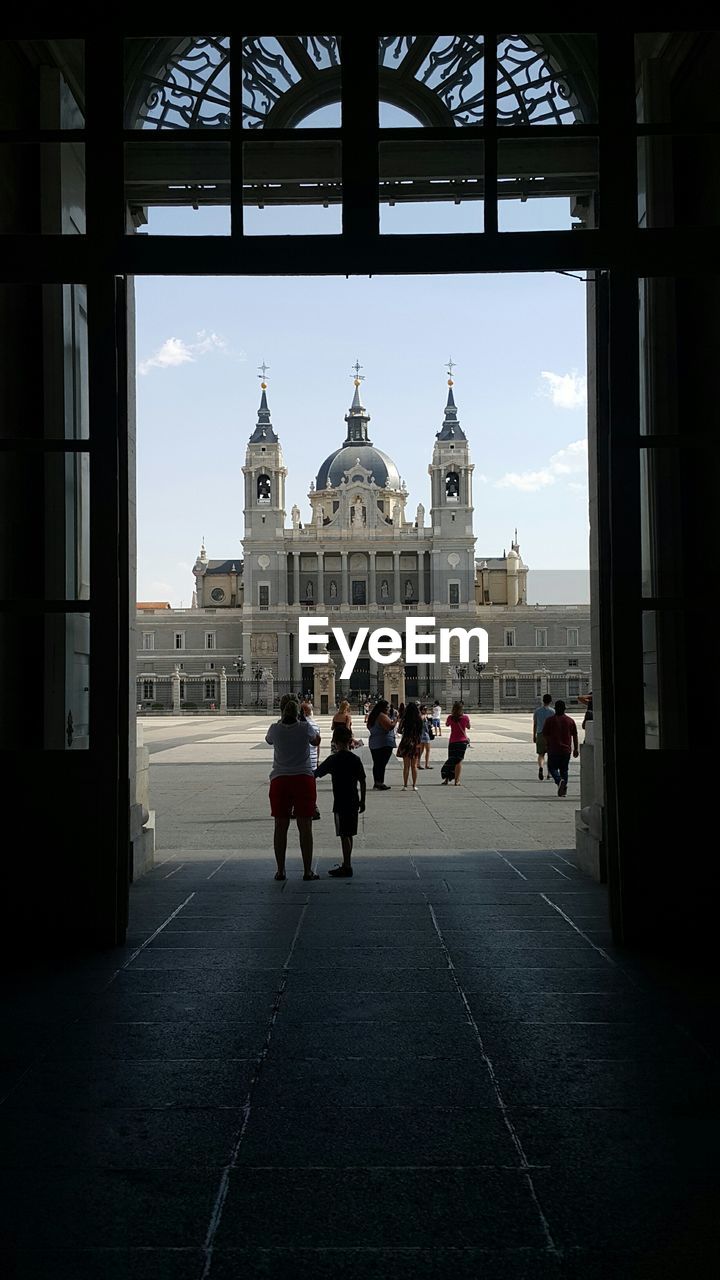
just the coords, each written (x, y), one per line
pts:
(442, 1067)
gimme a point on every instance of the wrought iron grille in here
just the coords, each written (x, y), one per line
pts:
(439, 80)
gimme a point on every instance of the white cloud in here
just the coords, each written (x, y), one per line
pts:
(566, 390)
(571, 461)
(175, 351)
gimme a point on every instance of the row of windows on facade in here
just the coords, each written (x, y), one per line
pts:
(210, 693)
(358, 592)
(509, 687)
(572, 638)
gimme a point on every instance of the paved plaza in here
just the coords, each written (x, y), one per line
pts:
(209, 788)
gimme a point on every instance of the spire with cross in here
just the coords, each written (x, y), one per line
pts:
(358, 417)
(264, 430)
(451, 429)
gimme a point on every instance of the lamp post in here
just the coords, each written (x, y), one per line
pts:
(239, 665)
(461, 673)
(479, 668)
(257, 676)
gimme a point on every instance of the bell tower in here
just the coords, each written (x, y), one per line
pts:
(451, 475)
(264, 473)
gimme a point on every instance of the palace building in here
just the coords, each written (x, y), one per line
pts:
(365, 556)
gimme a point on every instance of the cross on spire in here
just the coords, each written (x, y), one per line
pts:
(450, 366)
(263, 370)
(359, 377)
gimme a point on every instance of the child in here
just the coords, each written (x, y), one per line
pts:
(346, 772)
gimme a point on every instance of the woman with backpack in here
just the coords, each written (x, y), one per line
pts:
(458, 724)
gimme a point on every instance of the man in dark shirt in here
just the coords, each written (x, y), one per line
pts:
(347, 773)
(561, 735)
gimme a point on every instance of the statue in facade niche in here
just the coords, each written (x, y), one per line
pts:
(319, 515)
(295, 513)
(309, 591)
(384, 589)
(333, 589)
(409, 592)
(358, 512)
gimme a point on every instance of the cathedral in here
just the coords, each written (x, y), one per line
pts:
(365, 556)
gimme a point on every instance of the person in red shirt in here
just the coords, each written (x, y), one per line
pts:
(561, 737)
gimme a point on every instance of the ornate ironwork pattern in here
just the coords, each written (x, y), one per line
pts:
(271, 68)
(453, 69)
(393, 49)
(267, 73)
(530, 90)
(191, 90)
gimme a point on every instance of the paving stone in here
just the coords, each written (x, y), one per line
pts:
(372, 1208)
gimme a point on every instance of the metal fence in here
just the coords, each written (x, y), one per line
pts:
(228, 695)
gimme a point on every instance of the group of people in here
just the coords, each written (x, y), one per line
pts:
(295, 740)
(411, 730)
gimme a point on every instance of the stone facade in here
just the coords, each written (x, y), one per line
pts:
(363, 558)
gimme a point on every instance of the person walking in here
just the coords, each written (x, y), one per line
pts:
(561, 736)
(436, 714)
(458, 724)
(292, 785)
(426, 739)
(381, 741)
(540, 715)
(410, 743)
(347, 775)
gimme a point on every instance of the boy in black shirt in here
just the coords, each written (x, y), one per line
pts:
(346, 772)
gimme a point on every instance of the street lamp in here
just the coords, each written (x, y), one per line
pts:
(461, 673)
(479, 668)
(257, 675)
(239, 665)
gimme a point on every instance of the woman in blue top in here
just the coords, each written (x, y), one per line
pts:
(381, 724)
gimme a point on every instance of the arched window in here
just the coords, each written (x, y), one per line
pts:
(264, 490)
(433, 80)
(452, 486)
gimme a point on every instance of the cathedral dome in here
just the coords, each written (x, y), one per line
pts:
(358, 450)
(384, 472)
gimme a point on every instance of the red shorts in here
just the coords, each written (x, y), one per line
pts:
(293, 796)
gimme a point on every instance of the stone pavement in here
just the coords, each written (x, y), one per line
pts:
(441, 1068)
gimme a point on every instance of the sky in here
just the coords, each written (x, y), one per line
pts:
(519, 347)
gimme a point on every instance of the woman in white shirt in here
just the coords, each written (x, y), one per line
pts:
(292, 785)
